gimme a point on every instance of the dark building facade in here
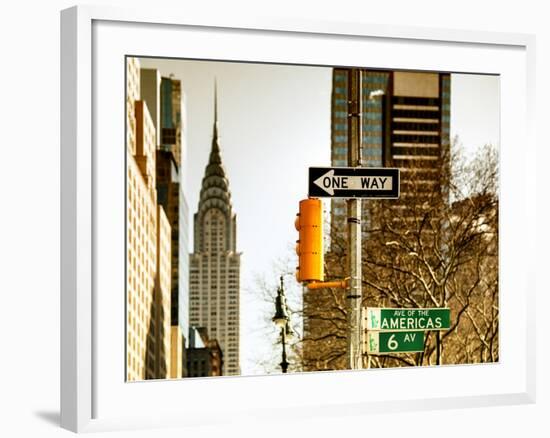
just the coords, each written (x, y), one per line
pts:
(171, 117)
(204, 355)
(168, 195)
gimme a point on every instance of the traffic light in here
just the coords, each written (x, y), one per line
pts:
(309, 247)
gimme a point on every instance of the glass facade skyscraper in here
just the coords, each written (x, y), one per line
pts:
(406, 124)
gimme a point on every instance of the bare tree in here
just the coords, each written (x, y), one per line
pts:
(435, 247)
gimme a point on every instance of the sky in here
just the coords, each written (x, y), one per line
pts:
(274, 123)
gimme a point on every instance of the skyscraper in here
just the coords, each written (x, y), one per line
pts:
(147, 242)
(406, 124)
(141, 250)
(164, 96)
(159, 336)
(215, 262)
(157, 257)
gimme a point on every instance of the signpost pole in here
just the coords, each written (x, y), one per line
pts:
(438, 345)
(354, 338)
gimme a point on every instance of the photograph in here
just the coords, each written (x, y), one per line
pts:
(277, 218)
(288, 218)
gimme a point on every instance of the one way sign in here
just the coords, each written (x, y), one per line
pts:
(354, 182)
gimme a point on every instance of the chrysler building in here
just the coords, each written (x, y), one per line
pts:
(215, 263)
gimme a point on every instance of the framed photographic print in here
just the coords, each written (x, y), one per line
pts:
(257, 209)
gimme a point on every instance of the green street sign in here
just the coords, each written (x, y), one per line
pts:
(406, 320)
(394, 342)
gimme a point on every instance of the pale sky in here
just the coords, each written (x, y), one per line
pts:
(274, 123)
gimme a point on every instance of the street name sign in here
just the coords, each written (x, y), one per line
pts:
(354, 182)
(409, 319)
(394, 342)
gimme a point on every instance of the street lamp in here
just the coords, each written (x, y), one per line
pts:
(376, 93)
(282, 320)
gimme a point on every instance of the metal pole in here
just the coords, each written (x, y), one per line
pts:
(354, 339)
(284, 363)
(438, 348)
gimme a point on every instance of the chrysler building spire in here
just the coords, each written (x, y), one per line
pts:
(215, 194)
(215, 136)
(215, 263)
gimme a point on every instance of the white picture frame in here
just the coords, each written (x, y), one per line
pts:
(91, 396)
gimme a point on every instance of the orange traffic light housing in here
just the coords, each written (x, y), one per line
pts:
(309, 247)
